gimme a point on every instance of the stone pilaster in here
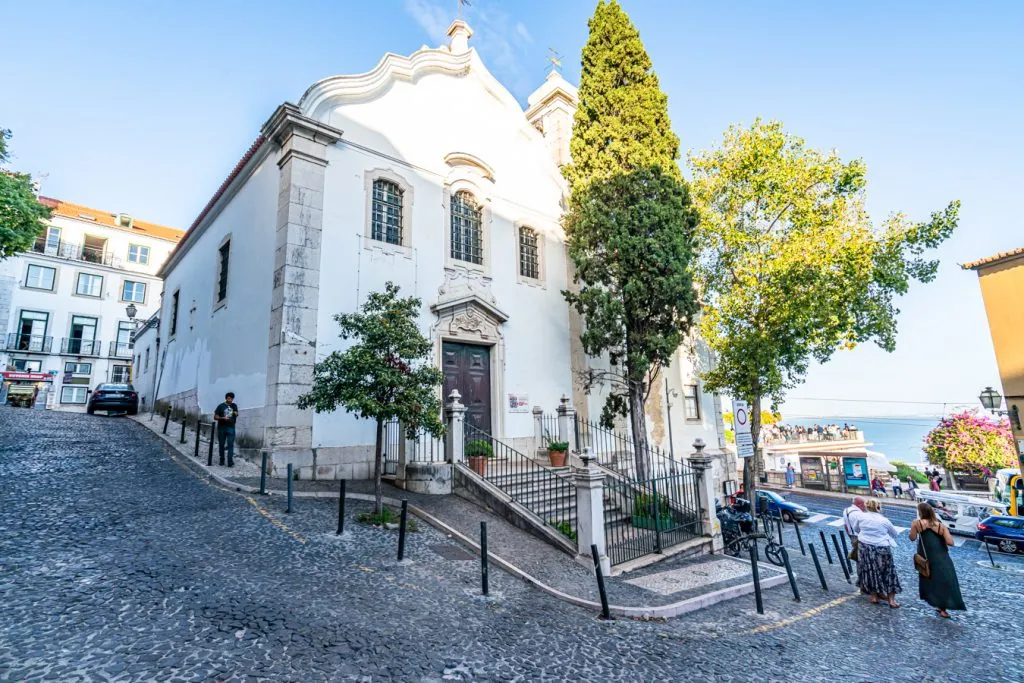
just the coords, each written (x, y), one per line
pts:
(589, 481)
(302, 160)
(701, 465)
(566, 423)
(538, 429)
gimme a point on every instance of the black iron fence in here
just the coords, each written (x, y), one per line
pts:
(548, 429)
(644, 517)
(424, 448)
(392, 442)
(616, 451)
(32, 343)
(549, 494)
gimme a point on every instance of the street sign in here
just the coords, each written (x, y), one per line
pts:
(741, 428)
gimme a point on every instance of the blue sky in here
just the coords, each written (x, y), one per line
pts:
(145, 111)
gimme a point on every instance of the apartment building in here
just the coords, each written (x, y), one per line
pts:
(69, 306)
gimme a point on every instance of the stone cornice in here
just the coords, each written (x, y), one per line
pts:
(288, 119)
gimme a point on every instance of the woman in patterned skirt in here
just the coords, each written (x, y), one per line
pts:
(876, 570)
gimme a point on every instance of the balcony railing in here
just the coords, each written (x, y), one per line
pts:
(80, 347)
(77, 252)
(120, 349)
(29, 343)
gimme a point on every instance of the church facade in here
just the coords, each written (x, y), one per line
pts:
(425, 172)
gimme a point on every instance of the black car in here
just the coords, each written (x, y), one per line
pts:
(114, 398)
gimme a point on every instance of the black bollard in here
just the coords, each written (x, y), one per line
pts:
(199, 429)
(401, 530)
(167, 419)
(988, 548)
(799, 538)
(209, 448)
(779, 522)
(824, 544)
(789, 573)
(842, 563)
(605, 612)
(184, 423)
(757, 577)
(483, 558)
(846, 551)
(817, 565)
(289, 488)
(263, 474)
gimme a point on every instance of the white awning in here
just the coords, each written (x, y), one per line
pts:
(879, 461)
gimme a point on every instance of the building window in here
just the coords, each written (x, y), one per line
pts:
(40, 277)
(26, 365)
(691, 402)
(73, 368)
(174, 312)
(52, 240)
(133, 291)
(82, 340)
(224, 254)
(123, 344)
(529, 255)
(467, 241)
(145, 366)
(138, 254)
(386, 218)
(72, 394)
(120, 374)
(89, 285)
(32, 331)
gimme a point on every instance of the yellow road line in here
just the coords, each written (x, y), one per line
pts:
(275, 521)
(803, 615)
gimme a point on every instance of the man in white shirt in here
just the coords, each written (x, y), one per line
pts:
(850, 513)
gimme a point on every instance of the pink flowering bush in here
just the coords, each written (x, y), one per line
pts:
(967, 442)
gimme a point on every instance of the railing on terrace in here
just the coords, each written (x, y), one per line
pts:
(549, 429)
(80, 347)
(120, 350)
(29, 343)
(844, 435)
(547, 493)
(424, 448)
(76, 252)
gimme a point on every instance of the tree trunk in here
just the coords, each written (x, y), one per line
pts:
(638, 422)
(378, 492)
(751, 465)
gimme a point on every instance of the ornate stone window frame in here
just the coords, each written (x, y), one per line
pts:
(369, 176)
(541, 281)
(486, 225)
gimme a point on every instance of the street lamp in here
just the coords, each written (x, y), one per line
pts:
(131, 310)
(992, 399)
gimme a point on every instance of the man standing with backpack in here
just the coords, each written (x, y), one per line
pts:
(225, 415)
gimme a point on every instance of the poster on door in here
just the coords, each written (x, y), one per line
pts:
(518, 403)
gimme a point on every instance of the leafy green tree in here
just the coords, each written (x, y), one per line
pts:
(968, 443)
(791, 269)
(21, 214)
(386, 374)
(630, 222)
(903, 470)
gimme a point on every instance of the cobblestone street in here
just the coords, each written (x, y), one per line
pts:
(118, 561)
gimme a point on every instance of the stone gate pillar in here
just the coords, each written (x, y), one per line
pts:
(701, 465)
(566, 423)
(589, 481)
(455, 418)
(302, 161)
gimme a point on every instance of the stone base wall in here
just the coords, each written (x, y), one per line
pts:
(334, 462)
(248, 427)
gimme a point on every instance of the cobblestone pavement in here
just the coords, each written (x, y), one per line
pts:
(118, 563)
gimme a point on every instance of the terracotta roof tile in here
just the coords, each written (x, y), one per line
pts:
(974, 265)
(109, 220)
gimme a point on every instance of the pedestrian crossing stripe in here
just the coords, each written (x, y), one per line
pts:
(816, 518)
(837, 522)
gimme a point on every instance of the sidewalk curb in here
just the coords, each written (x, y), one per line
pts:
(663, 611)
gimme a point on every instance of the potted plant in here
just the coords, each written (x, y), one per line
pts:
(557, 451)
(478, 451)
(645, 516)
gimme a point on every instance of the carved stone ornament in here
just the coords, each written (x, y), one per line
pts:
(469, 321)
(462, 284)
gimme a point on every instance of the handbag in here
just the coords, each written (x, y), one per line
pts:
(921, 558)
(855, 544)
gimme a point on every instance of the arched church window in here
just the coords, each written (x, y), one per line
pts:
(386, 219)
(529, 255)
(467, 240)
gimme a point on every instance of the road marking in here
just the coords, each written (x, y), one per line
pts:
(838, 522)
(900, 529)
(275, 521)
(817, 518)
(803, 615)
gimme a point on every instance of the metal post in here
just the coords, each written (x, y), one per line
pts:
(289, 488)
(209, 449)
(199, 427)
(483, 558)
(817, 565)
(184, 422)
(757, 577)
(668, 421)
(167, 419)
(988, 548)
(824, 544)
(605, 612)
(654, 514)
(401, 530)
(779, 520)
(789, 573)
(799, 538)
(263, 470)
(341, 503)
(846, 551)
(842, 563)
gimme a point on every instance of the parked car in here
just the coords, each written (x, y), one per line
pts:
(777, 505)
(1003, 531)
(114, 398)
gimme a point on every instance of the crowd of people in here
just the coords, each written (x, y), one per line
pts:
(880, 488)
(874, 538)
(783, 433)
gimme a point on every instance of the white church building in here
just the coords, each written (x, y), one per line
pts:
(427, 172)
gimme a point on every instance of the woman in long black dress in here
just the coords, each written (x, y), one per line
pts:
(941, 589)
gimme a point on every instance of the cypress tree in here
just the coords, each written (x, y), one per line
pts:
(630, 223)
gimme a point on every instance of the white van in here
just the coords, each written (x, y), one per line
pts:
(965, 511)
